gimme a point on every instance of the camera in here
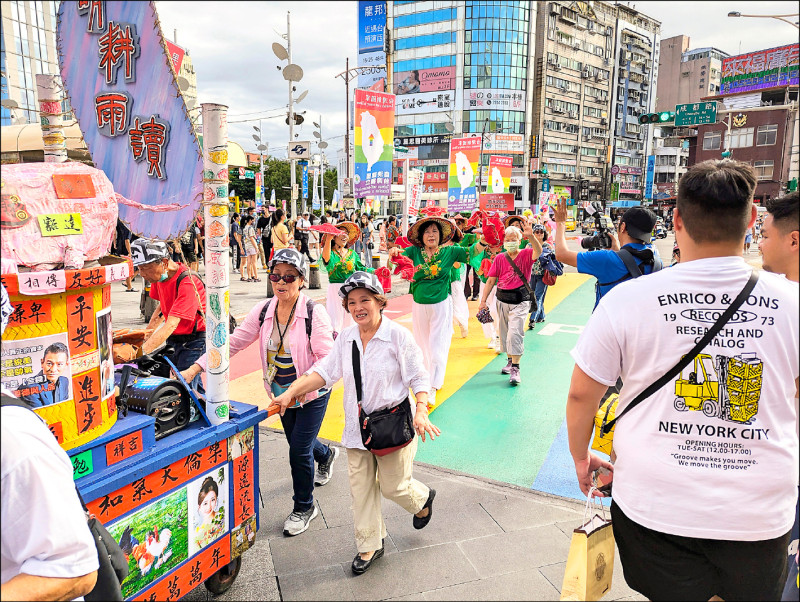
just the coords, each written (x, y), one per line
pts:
(601, 240)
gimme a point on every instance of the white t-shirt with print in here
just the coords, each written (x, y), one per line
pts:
(679, 471)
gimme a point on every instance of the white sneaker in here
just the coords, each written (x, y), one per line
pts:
(491, 344)
(297, 522)
(464, 331)
(497, 348)
(325, 470)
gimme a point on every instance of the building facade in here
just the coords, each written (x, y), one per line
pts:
(685, 76)
(28, 48)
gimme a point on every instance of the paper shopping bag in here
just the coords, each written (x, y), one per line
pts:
(590, 563)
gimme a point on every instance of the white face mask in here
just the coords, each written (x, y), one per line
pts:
(511, 245)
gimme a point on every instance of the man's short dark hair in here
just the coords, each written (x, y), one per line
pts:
(715, 200)
(785, 211)
(392, 219)
(56, 348)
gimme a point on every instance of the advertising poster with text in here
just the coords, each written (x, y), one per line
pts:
(499, 174)
(374, 143)
(38, 370)
(462, 193)
(425, 80)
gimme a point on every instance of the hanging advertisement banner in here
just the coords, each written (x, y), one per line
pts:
(759, 70)
(371, 25)
(305, 180)
(119, 76)
(464, 156)
(415, 179)
(499, 174)
(425, 80)
(373, 72)
(374, 143)
(497, 202)
(648, 181)
(315, 196)
(426, 102)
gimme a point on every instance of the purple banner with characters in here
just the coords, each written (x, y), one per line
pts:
(118, 74)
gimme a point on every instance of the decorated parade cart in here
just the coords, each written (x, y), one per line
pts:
(172, 475)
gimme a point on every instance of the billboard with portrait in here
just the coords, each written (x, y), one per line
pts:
(38, 370)
(425, 80)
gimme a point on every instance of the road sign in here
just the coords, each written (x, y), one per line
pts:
(241, 172)
(299, 150)
(696, 113)
(249, 174)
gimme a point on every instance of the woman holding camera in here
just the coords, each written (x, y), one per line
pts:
(511, 271)
(394, 366)
(280, 325)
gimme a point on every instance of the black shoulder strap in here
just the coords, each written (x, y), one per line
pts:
(357, 371)
(687, 359)
(630, 263)
(262, 316)
(518, 272)
(178, 281)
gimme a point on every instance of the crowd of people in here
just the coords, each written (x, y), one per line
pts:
(732, 539)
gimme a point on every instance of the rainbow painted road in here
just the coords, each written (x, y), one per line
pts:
(489, 428)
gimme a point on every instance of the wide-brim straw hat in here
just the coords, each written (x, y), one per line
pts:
(351, 229)
(415, 232)
(509, 219)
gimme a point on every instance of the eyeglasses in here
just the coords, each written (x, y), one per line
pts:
(288, 279)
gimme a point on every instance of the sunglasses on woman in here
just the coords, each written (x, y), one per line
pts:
(288, 279)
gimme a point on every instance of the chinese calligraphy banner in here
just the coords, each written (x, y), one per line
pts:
(462, 193)
(119, 75)
(374, 143)
(499, 174)
(758, 70)
(60, 224)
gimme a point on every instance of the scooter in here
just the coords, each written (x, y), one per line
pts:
(660, 231)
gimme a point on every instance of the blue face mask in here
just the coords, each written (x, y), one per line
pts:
(164, 276)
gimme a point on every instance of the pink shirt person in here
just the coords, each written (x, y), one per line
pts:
(507, 278)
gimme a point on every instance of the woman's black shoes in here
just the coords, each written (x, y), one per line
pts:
(360, 565)
(419, 523)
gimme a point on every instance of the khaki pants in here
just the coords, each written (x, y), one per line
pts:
(511, 326)
(261, 255)
(390, 475)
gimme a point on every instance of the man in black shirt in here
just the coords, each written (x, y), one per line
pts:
(264, 230)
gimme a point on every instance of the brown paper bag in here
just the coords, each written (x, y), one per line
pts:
(590, 563)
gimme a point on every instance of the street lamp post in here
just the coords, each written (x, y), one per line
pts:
(322, 145)
(261, 147)
(778, 17)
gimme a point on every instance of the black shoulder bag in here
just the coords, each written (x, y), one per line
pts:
(384, 431)
(113, 567)
(607, 425)
(517, 296)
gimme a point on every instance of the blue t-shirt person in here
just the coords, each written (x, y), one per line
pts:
(607, 266)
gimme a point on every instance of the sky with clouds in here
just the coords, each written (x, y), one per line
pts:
(231, 48)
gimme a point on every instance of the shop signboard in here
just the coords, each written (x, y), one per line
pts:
(121, 84)
(759, 70)
(426, 102)
(374, 136)
(422, 140)
(464, 156)
(513, 144)
(371, 25)
(492, 98)
(648, 181)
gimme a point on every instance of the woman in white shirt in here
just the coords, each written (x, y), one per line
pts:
(380, 343)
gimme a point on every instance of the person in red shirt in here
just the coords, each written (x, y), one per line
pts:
(182, 305)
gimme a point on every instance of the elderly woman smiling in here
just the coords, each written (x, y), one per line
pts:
(395, 366)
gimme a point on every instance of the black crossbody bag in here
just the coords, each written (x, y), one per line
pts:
(517, 295)
(384, 431)
(113, 567)
(607, 425)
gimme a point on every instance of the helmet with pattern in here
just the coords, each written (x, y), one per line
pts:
(145, 250)
(361, 280)
(293, 257)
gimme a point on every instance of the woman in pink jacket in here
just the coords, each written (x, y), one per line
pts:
(281, 326)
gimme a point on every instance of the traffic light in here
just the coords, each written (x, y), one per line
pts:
(662, 117)
(542, 171)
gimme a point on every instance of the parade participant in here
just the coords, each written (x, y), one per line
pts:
(513, 297)
(366, 239)
(686, 525)
(46, 548)
(389, 365)
(607, 265)
(482, 254)
(303, 224)
(280, 325)
(392, 232)
(432, 308)
(251, 250)
(263, 231)
(457, 281)
(236, 244)
(471, 290)
(182, 307)
(56, 386)
(537, 276)
(280, 233)
(340, 260)
(518, 221)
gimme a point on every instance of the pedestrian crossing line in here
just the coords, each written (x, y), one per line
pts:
(468, 356)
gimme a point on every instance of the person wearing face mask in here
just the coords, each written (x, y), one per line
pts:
(513, 296)
(182, 298)
(340, 260)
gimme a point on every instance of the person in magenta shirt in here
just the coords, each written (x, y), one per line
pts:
(513, 296)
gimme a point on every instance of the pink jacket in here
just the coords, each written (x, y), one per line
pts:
(304, 355)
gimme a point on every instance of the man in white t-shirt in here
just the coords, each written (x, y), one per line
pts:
(705, 480)
(46, 548)
(303, 225)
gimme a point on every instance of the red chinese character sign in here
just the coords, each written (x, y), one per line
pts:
(119, 75)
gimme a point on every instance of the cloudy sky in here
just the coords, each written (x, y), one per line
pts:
(231, 48)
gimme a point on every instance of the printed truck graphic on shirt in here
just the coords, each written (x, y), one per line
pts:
(498, 186)
(725, 387)
(464, 172)
(372, 143)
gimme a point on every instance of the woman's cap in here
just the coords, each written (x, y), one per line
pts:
(293, 257)
(361, 280)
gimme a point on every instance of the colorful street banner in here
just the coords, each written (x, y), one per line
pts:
(335, 200)
(374, 143)
(415, 179)
(760, 70)
(315, 204)
(464, 155)
(119, 76)
(499, 174)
